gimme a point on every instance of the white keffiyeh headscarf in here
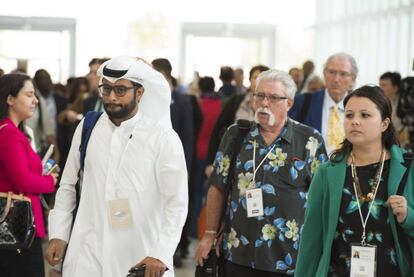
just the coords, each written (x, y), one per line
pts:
(156, 100)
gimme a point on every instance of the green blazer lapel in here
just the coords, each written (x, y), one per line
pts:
(336, 179)
(397, 170)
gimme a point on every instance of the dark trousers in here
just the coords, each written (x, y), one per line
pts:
(27, 263)
(232, 269)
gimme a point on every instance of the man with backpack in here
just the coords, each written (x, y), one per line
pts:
(263, 173)
(133, 195)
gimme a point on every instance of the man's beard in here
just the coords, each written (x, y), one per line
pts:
(124, 111)
(272, 119)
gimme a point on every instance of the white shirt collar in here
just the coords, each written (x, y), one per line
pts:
(330, 102)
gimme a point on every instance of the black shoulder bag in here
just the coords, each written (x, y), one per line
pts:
(213, 265)
(402, 238)
(17, 228)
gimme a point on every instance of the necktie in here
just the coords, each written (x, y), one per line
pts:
(335, 128)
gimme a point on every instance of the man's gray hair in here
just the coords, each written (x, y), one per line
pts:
(278, 76)
(344, 56)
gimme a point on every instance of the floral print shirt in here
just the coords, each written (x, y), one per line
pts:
(269, 242)
(378, 230)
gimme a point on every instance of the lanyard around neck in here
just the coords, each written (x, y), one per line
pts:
(377, 182)
(260, 164)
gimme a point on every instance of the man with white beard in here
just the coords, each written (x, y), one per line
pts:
(268, 185)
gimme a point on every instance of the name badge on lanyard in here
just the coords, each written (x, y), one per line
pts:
(363, 260)
(254, 197)
(254, 202)
(120, 215)
(363, 255)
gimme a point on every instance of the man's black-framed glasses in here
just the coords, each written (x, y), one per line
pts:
(272, 98)
(105, 90)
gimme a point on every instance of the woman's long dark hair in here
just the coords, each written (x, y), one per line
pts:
(74, 88)
(389, 136)
(11, 84)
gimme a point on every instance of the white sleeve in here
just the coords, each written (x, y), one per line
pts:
(60, 218)
(49, 128)
(172, 181)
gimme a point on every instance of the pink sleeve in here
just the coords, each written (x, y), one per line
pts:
(16, 162)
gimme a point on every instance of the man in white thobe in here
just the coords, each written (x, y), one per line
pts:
(134, 189)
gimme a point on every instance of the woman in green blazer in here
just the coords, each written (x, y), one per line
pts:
(369, 167)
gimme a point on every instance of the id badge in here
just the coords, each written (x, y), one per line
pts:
(254, 201)
(363, 260)
(120, 214)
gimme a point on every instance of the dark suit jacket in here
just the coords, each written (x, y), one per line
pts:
(313, 117)
(182, 122)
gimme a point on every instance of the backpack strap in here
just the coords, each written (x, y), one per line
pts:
(305, 107)
(88, 123)
(402, 238)
(243, 129)
(90, 120)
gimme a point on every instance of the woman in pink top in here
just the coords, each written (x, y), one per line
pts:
(210, 104)
(21, 170)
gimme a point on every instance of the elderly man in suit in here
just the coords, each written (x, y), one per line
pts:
(324, 110)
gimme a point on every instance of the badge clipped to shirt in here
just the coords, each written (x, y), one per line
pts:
(363, 260)
(120, 214)
(254, 202)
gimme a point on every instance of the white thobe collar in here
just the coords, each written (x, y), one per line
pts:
(127, 125)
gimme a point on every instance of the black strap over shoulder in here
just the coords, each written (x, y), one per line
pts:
(243, 129)
(90, 120)
(214, 265)
(408, 158)
(402, 238)
(88, 123)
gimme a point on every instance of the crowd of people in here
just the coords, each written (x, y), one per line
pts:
(290, 175)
